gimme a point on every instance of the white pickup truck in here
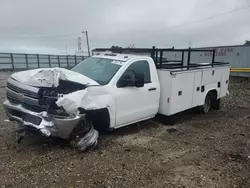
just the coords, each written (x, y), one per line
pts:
(111, 90)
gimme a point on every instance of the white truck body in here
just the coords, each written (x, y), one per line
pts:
(115, 91)
(189, 85)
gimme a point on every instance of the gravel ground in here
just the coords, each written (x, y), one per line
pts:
(199, 151)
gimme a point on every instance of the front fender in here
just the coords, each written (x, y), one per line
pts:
(91, 99)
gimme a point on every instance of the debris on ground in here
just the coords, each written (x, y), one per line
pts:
(89, 140)
(171, 130)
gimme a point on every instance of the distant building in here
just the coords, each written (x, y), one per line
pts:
(247, 42)
(238, 56)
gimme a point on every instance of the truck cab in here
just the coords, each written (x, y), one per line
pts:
(133, 82)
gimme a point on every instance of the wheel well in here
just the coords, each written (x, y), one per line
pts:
(100, 118)
(213, 93)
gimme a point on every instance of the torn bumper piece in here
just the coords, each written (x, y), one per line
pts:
(46, 124)
(90, 139)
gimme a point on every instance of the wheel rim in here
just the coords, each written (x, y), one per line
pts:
(207, 104)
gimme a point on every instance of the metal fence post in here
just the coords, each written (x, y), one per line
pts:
(49, 61)
(12, 61)
(161, 55)
(67, 61)
(213, 58)
(75, 60)
(58, 59)
(189, 57)
(38, 61)
(26, 60)
(153, 54)
(182, 57)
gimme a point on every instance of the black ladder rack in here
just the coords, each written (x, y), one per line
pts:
(161, 63)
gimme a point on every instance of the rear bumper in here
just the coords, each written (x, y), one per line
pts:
(43, 122)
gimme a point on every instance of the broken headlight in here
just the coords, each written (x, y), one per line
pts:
(47, 96)
(54, 110)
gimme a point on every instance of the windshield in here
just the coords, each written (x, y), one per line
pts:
(98, 69)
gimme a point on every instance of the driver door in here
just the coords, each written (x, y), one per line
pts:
(133, 103)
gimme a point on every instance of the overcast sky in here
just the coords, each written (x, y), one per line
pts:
(48, 26)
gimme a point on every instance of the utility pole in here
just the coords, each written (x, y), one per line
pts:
(79, 42)
(87, 39)
(189, 44)
(66, 49)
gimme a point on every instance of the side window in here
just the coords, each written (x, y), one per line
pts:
(141, 67)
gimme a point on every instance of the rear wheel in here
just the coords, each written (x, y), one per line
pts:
(207, 104)
(216, 104)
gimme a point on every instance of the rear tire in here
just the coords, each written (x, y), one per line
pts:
(207, 104)
(216, 104)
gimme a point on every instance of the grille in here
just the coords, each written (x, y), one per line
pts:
(26, 117)
(12, 100)
(33, 119)
(22, 91)
(33, 108)
(25, 105)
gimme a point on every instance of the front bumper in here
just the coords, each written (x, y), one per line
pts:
(46, 124)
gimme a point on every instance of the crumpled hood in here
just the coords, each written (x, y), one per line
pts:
(93, 97)
(49, 77)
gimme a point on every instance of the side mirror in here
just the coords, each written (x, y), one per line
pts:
(127, 79)
(139, 80)
(131, 79)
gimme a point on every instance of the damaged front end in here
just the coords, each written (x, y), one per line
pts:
(35, 108)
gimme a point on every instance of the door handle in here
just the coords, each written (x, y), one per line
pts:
(152, 89)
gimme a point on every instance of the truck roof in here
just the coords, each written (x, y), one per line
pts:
(117, 56)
